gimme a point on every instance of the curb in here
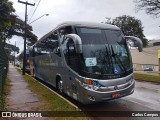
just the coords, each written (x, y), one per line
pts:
(76, 107)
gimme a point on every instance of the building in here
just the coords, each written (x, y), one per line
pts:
(147, 60)
(154, 42)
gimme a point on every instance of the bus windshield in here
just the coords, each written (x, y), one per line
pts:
(105, 51)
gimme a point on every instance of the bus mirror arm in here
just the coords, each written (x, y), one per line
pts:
(137, 42)
(77, 42)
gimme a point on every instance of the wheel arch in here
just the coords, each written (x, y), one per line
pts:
(58, 78)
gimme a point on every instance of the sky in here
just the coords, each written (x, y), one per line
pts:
(81, 10)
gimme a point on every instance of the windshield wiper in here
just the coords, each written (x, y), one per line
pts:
(115, 56)
(109, 57)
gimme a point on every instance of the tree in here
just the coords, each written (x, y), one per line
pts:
(18, 29)
(130, 27)
(11, 25)
(10, 49)
(152, 7)
(6, 9)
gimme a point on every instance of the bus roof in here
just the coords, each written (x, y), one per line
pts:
(88, 24)
(82, 24)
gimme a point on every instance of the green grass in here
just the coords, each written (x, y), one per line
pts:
(3, 98)
(147, 77)
(50, 101)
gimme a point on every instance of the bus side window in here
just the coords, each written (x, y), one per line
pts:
(65, 30)
(53, 45)
(57, 51)
(35, 52)
(40, 48)
(31, 52)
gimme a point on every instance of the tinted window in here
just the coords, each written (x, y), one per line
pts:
(105, 52)
(48, 45)
(71, 57)
(66, 30)
(91, 36)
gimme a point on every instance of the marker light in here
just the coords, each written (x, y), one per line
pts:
(90, 82)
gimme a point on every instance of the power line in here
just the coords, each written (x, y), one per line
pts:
(31, 8)
(35, 10)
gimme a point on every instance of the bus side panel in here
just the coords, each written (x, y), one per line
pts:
(40, 62)
(47, 67)
(71, 84)
(56, 68)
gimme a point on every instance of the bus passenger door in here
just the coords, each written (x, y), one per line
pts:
(71, 58)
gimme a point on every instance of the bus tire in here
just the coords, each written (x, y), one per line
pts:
(60, 86)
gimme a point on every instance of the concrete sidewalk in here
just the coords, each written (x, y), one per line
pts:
(20, 98)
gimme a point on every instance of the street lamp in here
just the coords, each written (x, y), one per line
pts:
(38, 18)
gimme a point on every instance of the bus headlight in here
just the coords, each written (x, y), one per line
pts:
(89, 82)
(92, 84)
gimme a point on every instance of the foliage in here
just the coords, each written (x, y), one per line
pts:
(11, 48)
(6, 9)
(18, 29)
(152, 7)
(130, 27)
(3, 104)
(11, 25)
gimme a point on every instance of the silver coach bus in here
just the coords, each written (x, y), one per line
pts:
(90, 62)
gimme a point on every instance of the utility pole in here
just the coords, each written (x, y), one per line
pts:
(15, 54)
(25, 35)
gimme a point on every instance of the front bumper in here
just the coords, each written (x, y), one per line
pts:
(91, 96)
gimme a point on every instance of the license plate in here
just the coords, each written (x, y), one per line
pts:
(115, 95)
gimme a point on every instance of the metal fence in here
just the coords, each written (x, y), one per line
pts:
(3, 73)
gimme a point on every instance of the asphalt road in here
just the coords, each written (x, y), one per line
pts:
(145, 98)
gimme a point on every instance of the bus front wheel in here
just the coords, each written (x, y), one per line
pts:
(60, 86)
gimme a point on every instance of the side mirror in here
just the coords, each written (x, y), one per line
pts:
(137, 42)
(62, 32)
(58, 52)
(77, 42)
